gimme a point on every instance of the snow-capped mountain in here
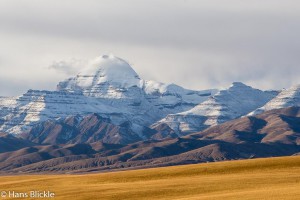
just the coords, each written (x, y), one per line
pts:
(35, 106)
(104, 77)
(107, 86)
(286, 98)
(110, 77)
(236, 101)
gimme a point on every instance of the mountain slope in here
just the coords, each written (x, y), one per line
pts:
(279, 126)
(286, 98)
(234, 102)
(9, 142)
(87, 129)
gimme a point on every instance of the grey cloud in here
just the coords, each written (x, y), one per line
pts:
(211, 42)
(157, 23)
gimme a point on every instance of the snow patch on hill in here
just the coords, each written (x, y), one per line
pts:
(286, 98)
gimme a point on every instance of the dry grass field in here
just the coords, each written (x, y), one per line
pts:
(271, 178)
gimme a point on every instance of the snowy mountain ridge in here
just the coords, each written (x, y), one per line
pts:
(110, 88)
(236, 101)
(286, 98)
(107, 86)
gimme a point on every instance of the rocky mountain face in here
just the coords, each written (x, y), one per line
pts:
(234, 102)
(272, 133)
(88, 129)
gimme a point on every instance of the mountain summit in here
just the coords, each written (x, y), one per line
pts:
(106, 72)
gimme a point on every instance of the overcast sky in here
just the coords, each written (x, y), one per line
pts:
(198, 44)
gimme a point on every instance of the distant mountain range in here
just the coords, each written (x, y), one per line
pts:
(109, 87)
(107, 117)
(272, 133)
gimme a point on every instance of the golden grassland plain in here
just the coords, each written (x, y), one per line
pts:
(270, 178)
